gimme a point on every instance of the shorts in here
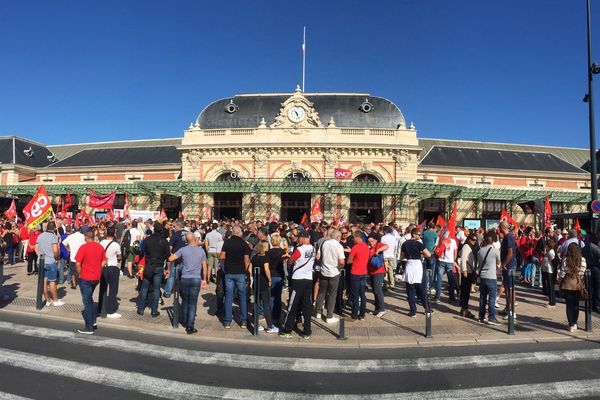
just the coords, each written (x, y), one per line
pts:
(505, 277)
(130, 257)
(51, 272)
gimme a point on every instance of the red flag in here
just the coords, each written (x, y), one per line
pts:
(577, 227)
(547, 213)
(181, 215)
(38, 209)
(126, 206)
(452, 222)
(68, 203)
(273, 218)
(316, 213)
(505, 216)
(304, 220)
(163, 214)
(440, 221)
(208, 213)
(12, 210)
(101, 200)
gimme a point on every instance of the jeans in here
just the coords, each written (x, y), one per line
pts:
(155, 280)
(232, 282)
(487, 296)
(1, 271)
(87, 297)
(548, 282)
(448, 268)
(109, 282)
(174, 274)
(534, 271)
(377, 286)
(465, 290)
(10, 251)
(190, 291)
(327, 287)
(357, 295)
(220, 292)
(572, 305)
(32, 262)
(276, 290)
(413, 290)
(61, 271)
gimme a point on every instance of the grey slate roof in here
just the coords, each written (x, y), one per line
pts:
(344, 108)
(63, 151)
(575, 156)
(497, 159)
(122, 156)
(12, 152)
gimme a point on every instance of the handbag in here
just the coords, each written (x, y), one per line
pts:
(581, 289)
(377, 260)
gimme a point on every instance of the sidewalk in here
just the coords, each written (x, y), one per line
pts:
(534, 321)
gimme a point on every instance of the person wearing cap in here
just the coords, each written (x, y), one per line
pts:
(377, 274)
(302, 261)
(468, 265)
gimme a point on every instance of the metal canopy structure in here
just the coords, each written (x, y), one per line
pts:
(420, 190)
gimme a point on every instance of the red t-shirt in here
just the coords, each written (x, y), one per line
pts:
(360, 258)
(24, 233)
(90, 256)
(32, 241)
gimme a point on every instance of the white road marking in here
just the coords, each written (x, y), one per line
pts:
(303, 364)
(10, 396)
(175, 390)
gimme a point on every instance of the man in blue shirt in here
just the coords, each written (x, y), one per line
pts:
(508, 261)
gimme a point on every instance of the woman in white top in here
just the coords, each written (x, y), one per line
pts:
(547, 272)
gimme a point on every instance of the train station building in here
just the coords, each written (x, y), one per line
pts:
(258, 156)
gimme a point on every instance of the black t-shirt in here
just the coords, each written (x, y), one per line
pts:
(235, 249)
(259, 262)
(178, 240)
(412, 249)
(276, 261)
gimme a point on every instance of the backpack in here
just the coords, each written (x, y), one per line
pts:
(126, 243)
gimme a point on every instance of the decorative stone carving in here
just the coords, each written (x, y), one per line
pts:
(226, 165)
(260, 156)
(194, 157)
(365, 166)
(297, 100)
(402, 158)
(263, 123)
(331, 157)
(296, 164)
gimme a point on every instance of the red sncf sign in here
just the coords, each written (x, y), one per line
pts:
(341, 173)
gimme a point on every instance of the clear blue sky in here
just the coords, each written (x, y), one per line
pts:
(510, 71)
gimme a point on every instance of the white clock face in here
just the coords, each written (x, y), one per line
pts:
(296, 114)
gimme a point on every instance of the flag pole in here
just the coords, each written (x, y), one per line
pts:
(303, 57)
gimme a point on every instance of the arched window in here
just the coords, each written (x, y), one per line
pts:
(297, 176)
(228, 176)
(366, 177)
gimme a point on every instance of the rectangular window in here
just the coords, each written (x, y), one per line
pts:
(493, 208)
(557, 208)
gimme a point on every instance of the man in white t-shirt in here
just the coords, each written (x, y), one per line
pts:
(211, 242)
(109, 280)
(302, 260)
(72, 243)
(389, 255)
(332, 257)
(446, 263)
(134, 235)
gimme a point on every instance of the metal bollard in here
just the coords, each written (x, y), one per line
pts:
(342, 326)
(551, 291)
(39, 303)
(511, 302)
(256, 300)
(588, 300)
(429, 276)
(175, 298)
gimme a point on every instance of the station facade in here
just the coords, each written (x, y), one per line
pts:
(261, 156)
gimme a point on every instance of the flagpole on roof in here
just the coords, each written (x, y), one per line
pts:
(303, 57)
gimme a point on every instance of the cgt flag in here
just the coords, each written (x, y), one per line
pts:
(316, 212)
(11, 213)
(505, 216)
(38, 209)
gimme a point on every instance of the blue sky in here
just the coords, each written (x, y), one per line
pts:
(509, 71)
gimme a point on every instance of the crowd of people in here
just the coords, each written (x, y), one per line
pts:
(308, 263)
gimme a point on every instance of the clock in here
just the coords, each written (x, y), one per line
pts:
(296, 114)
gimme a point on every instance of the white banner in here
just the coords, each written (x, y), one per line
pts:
(135, 214)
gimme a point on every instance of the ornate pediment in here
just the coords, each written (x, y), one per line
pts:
(297, 113)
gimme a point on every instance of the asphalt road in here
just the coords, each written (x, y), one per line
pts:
(42, 358)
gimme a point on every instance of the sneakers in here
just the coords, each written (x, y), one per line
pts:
(273, 330)
(318, 315)
(305, 337)
(493, 322)
(48, 303)
(496, 305)
(380, 314)
(58, 303)
(261, 328)
(285, 335)
(85, 331)
(573, 328)
(550, 306)
(332, 320)
(505, 316)
(113, 315)
(227, 326)
(243, 325)
(412, 315)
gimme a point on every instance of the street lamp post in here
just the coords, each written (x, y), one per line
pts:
(593, 69)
